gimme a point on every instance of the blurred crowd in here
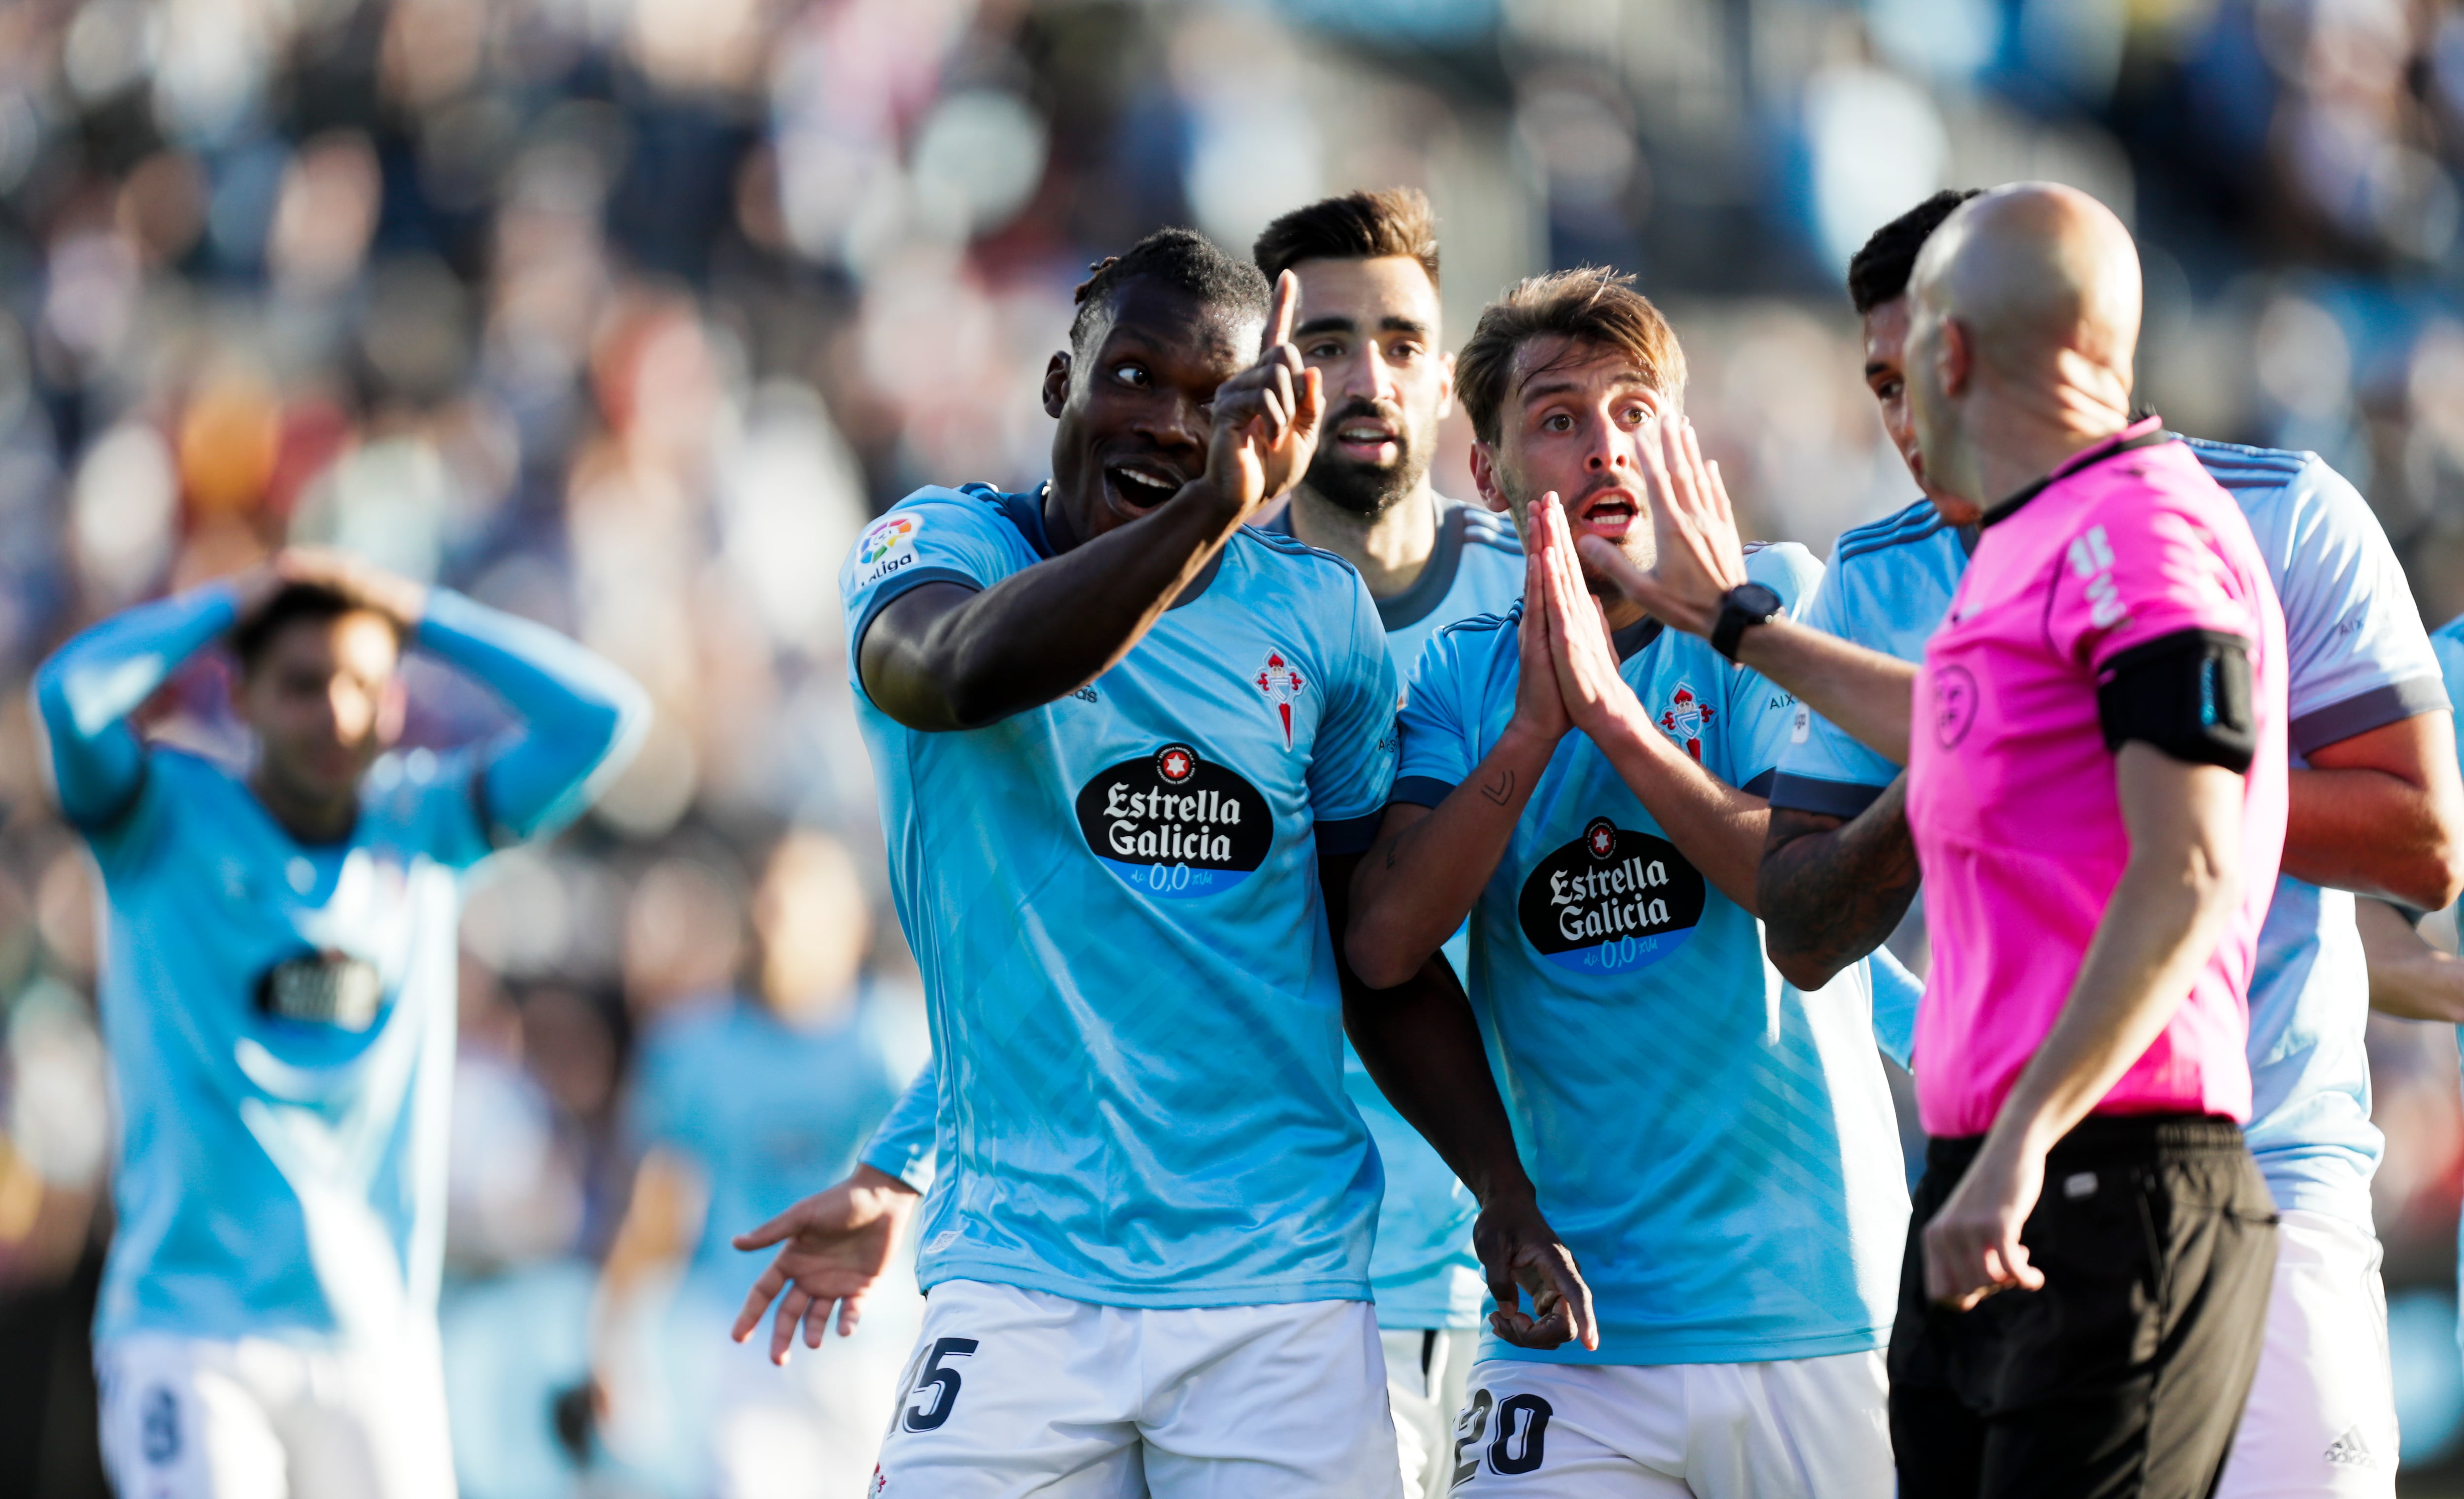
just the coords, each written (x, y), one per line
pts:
(624, 315)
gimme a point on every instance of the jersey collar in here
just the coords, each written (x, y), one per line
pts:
(1437, 575)
(1025, 511)
(2145, 432)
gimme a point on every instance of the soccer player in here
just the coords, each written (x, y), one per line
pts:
(2374, 807)
(1587, 789)
(2097, 792)
(1131, 749)
(278, 997)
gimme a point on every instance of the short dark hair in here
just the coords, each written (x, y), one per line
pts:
(1355, 226)
(1182, 260)
(1879, 272)
(291, 604)
(1591, 304)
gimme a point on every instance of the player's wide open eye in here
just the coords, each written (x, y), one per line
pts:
(1557, 422)
(1134, 376)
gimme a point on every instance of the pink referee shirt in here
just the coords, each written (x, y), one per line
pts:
(2011, 789)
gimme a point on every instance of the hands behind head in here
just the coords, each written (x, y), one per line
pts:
(365, 585)
(1266, 417)
(1698, 555)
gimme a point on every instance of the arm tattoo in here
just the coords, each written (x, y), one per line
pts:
(1831, 890)
(1502, 789)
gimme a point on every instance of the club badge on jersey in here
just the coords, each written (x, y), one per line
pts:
(1686, 718)
(1282, 684)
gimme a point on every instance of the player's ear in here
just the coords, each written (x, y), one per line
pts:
(1445, 387)
(1954, 358)
(1056, 384)
(1484, 477)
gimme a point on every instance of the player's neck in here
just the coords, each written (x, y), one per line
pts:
(306, 816)
(1390, 549)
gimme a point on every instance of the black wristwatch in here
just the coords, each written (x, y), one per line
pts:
(1741, 608)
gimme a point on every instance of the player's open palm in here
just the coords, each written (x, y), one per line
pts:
(833, 1248)
(1697, 554)
(1520, 1255)
(1266, 417)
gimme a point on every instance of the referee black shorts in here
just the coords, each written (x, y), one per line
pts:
(2125, 1375)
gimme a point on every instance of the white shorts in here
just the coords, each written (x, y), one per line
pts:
(1797, 1428)
(187, 1417)
(1013, 1392)
(1428, 1375)
(2320, 1420)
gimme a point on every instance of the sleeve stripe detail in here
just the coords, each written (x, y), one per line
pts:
(1761, 785)
(899, 587)
(1347, 834)
(1816, 794)
(1419, 791)
(2360, 713)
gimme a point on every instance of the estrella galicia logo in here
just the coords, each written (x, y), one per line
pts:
(1174, 825)
(323, 989)
(1954, 705)
(1612, 900)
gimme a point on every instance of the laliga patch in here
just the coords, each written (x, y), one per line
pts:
(1174, 826)
(886, 547)
(1611, 901)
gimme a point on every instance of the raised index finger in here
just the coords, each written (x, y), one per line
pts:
(1279, 316)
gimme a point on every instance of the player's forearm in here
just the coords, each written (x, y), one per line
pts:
(1416, 885)
(1831, 890)
(2375, 834)
(1422, 1048)
(2409, 979)
(1865, 692)
(84, 693)
(581, 716)
(2167, 914)
(1719, 828)
(1042, 633)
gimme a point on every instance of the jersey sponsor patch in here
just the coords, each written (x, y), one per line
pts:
(1611, 901)
(323, 989)
(1175, 825)
(886, 547)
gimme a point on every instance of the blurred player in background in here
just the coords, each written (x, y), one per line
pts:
(279, 1004)
(2097, 792)
(2374, 806)
(1131, 748)
(1587, 787)
(741, 1101)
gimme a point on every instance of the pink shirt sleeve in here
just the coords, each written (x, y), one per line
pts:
(2138, 570)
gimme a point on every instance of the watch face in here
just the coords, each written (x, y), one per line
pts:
(1756, 598)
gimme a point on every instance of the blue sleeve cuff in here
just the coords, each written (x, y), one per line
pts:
(1760, 785)
(1419, 791)
(899, 587)
(1347, 834)
(2360, 713)
(1814, 794)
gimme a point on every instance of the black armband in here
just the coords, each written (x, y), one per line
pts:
(2187, 693)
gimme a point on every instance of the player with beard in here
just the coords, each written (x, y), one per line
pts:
(2373, 808)
(1586, 787)
(1366, 265)
(1129, 748)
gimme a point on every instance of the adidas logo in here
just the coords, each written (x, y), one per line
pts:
(2350, 1451)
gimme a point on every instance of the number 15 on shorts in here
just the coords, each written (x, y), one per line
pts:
(934, 1393)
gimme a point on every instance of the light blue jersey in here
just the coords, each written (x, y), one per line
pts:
(1422, 1269)
(282, 1015)
(764, 1109)
(1716, 1148)
(2359, 661)
(1114, 900)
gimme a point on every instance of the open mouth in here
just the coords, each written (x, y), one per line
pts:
(1367, 440)
(1142, 485)
(1610, 513)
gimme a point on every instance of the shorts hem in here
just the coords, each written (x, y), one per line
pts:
(1144, 1298)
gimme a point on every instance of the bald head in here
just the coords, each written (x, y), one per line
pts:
(2024, 316)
